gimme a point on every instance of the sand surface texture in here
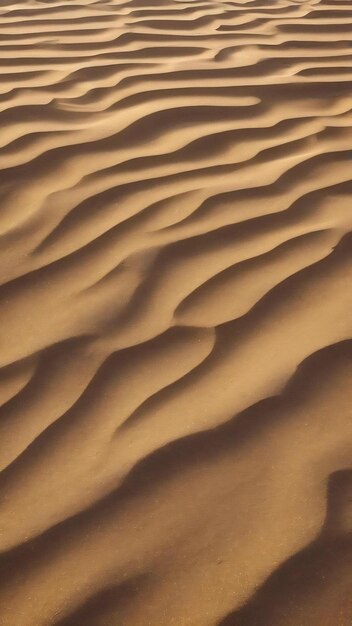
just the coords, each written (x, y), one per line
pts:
(175, 312)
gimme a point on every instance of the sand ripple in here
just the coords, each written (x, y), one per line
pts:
(176, 355)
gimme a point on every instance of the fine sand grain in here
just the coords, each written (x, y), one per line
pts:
(175, 312)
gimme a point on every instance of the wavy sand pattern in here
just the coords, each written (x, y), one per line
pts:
(176, 358)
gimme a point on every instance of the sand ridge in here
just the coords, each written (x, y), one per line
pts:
(176, 357)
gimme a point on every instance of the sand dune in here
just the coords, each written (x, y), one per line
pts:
(176, 355)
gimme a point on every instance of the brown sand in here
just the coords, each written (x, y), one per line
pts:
(176, 269)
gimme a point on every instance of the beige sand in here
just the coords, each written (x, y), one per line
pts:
(176, 270)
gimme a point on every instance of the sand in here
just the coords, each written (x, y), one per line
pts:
(175, 311)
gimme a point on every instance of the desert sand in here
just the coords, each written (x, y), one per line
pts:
(176, 352)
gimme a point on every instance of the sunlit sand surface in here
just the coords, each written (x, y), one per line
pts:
(175, 311)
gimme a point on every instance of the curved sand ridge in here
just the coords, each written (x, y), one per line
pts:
(176, 360)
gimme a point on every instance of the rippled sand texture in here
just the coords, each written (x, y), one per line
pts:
(176, 269)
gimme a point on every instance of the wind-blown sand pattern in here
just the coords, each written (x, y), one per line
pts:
(176, 355)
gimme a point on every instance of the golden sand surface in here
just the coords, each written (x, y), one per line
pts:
(175, 313)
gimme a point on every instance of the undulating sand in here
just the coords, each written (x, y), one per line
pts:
(175, 311)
